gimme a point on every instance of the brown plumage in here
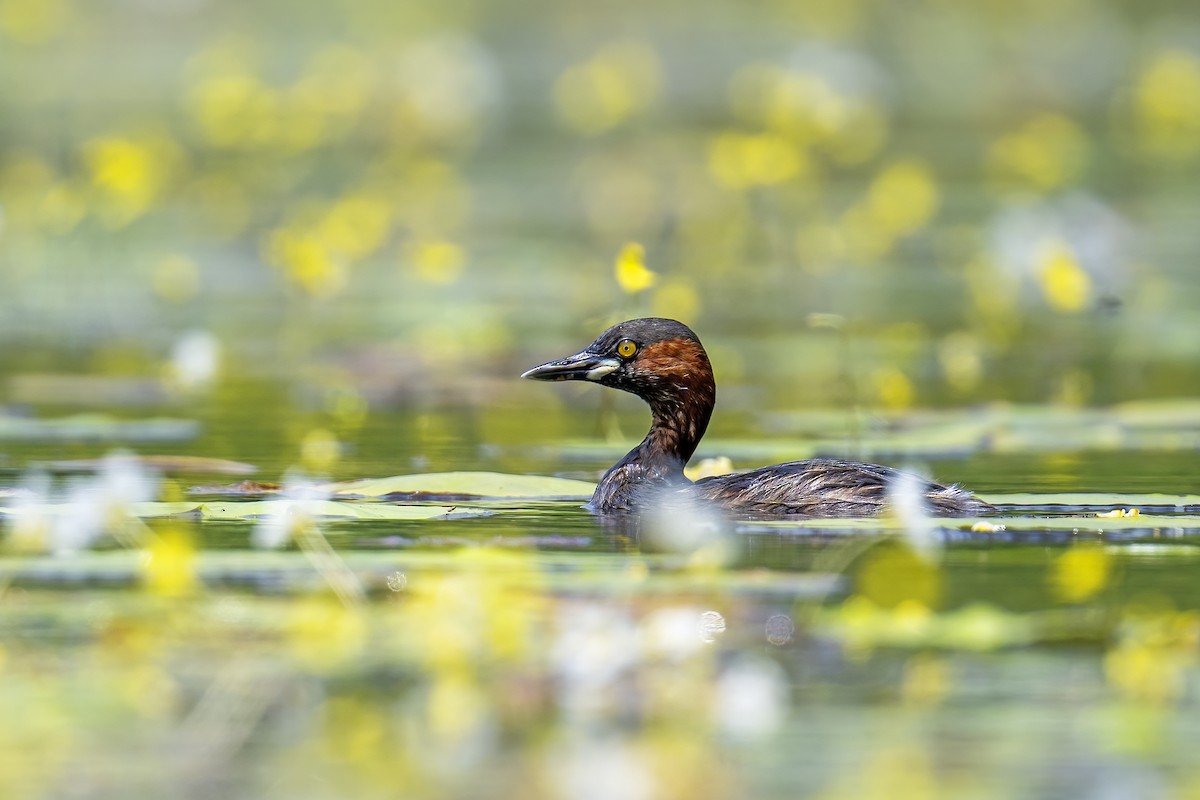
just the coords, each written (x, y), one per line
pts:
(663, 362)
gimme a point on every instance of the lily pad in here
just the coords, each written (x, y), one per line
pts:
(990, 528)
(245, 488)
(455, 485)
(947, 442)
(996, 428)
(331, 509)
(1089, 501)
(1086, 524)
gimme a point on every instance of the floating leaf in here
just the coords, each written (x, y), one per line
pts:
(159, 463)
(239, 489)
(333, 509)
(997, 428)
(1010, 528)
(1094, 501)
(330, 509)
(947, 442)
(450, 485)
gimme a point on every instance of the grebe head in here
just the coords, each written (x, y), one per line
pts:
(659, 360)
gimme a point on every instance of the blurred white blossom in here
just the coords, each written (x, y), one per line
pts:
(1097, 238)
(102, 503)
(751, 698)
(710, 626)
(294, 513)
(603, 770)
(674, 522)
(195, 359)
(907, 501)
(595, 647)
(671, 633)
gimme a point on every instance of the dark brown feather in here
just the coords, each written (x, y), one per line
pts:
(826, 487)
(672, 373)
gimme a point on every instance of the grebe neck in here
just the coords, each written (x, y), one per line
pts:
(678, 421)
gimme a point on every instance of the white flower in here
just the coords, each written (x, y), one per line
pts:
(195, 360)
(673, 633)
(104, 502)
(906, 497)
(294, 512)
(595, 648)
(675, 522)
(593, 769)
(751, 698)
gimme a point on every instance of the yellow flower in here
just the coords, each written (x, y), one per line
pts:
(622, 79)
(904, 197)
(742, 161)
(33, 21)
(307, 261)
(896, 576)
(437, 260)
(1047, 152)
(1167, 105)
(894, 389)
(630, 268)
(1148, 672)
(323, 633)
(131, 173)
(1080, 573)
(708, 467)
(1065, 284)
(319, 450)
(170, 566)
(356, 225)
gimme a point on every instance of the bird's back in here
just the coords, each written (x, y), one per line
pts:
(827, 487)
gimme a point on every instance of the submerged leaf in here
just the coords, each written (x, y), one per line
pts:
(1095, 501)
(466, 484)
(159, 463)
(331, 509)
(239, 489)
(1011, 528)
(97, 428)
(334, 509)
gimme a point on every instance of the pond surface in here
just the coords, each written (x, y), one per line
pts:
(318, 242)
(1044, 652)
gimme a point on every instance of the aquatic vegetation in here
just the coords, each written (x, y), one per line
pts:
(953, 236)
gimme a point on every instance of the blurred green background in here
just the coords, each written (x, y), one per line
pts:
(331, 234)
(980, 202)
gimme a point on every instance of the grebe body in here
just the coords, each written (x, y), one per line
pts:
(663, 362)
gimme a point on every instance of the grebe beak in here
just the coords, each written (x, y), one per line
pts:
(583, 366)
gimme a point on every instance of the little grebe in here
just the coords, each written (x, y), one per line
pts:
(662, 362)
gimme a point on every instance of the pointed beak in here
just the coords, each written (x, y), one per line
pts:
(583, 366)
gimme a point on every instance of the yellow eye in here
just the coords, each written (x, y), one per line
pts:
(626, 348)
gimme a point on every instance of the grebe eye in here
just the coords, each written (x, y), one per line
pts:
(626, 348)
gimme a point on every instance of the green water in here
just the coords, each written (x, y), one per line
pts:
(328, 237)
(539, 645)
